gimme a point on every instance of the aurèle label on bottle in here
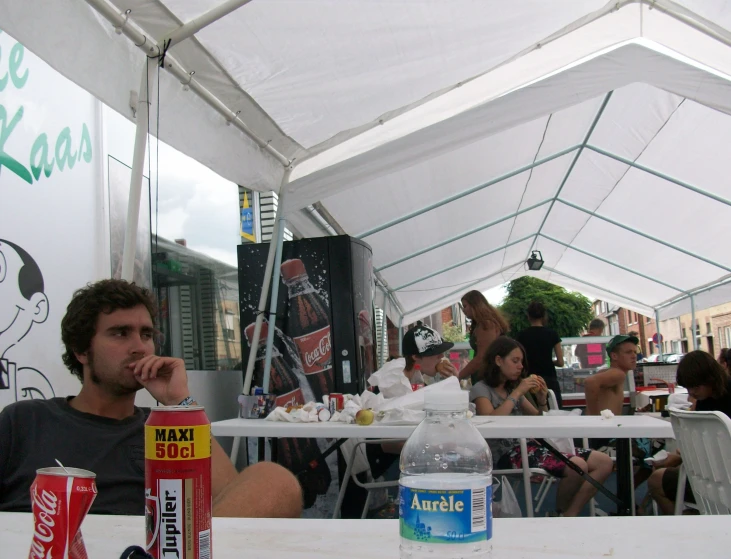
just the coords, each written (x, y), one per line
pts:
(445, 515)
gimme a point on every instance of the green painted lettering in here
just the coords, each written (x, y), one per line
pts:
(64, 155)
(16, 60)
(40, 147)
(6, 129)
(85, 147)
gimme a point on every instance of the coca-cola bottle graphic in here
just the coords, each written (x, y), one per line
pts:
(283, 381)
(291, 388)
(309, 328)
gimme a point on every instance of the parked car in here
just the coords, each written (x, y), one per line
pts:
(654, 358)
(673, 357)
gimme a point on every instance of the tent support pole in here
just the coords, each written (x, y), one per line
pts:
(659, 335)
(693, 329)
(466, 286)
(703, 289)
(554, 271)
(465, 234)
(467, 192)
(261, 308)
(400, 335)
(472, 259)
(611, 263)
(147, 82)
(659, 175)
(570, 170)
(385, 353)
(192, 27)
(276, 273)
(644, 235)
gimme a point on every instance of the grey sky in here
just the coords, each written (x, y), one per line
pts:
(195, 203)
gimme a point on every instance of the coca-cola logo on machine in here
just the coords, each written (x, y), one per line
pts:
(316, 351)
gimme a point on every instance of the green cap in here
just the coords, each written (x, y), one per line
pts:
(616, 340)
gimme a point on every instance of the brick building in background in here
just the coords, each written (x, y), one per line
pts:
(712, 328)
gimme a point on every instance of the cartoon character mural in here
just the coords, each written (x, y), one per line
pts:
(23, 303)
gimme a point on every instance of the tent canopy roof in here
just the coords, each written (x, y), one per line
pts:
(454, 138)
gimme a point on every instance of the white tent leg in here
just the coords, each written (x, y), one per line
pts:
(659, 335)
(261, 308)
(276, 272)
(147, 83)
(400, 335)
(693, 329)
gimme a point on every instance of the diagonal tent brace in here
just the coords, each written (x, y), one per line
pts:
(474, 189)
(612, 263)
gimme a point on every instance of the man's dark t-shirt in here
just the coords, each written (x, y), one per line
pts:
(539, 342)
(722, 404)
(33, 433)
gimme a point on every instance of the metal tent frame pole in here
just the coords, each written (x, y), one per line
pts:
(147, 83)
(400, 335)
(204, 20)
(659, 335)
(692, 322)
(261, 308)
(275, 275)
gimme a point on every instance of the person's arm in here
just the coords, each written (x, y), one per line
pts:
(541, 398)
(485, 407)
(559, 355)
(598, 382)
(166, 379)
(485, 336)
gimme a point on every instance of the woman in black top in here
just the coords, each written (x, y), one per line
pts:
(540, 343)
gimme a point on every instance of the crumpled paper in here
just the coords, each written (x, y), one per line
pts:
(391, 380)
(407, 409)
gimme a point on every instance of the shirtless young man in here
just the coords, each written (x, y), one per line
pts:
(605, 390)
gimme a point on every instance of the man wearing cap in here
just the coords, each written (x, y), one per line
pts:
(424, 347)
(605, 390)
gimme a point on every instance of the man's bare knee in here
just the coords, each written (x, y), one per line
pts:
(263, 490)
(654, 483)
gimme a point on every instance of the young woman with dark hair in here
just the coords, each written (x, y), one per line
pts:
(540, 343)
(487, 323)
(502, 392)
(709, 384)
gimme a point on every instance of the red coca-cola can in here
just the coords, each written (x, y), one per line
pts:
(415, 387)
(339, 400)
(178, 498)
(61, 498)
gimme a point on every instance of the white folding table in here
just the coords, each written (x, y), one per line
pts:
(623, 428)
(666, 537)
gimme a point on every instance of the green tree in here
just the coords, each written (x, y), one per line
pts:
(568, 312)
(453, 333)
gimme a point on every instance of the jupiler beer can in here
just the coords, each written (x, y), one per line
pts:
(178, 499)
(60, 498)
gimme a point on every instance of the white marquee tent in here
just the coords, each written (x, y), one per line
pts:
(454, 137)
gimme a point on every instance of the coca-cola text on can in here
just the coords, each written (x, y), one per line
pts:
(178, 499)
(60, 499)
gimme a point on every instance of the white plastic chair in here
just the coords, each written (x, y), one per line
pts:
(704, 439)
(357, 463)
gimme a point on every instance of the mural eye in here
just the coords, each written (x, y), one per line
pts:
(3, 267)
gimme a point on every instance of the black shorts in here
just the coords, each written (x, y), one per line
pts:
(670, 485)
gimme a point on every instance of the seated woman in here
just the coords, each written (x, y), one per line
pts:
(502, 392)
(709, 384)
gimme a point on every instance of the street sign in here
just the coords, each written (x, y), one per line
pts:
(656, 338)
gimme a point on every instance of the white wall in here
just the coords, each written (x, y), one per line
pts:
(52, 202)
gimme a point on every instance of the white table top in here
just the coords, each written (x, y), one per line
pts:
(668, 537)
(626, 426)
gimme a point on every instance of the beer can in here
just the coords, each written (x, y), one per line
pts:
(60, 498)
(178, 499)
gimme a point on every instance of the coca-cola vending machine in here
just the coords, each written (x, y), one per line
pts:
(324, 328)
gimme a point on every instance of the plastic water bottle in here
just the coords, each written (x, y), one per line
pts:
(445, 490)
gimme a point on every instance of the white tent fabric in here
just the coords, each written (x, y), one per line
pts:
(453, 137)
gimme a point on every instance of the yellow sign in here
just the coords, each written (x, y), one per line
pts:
(187, 442)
